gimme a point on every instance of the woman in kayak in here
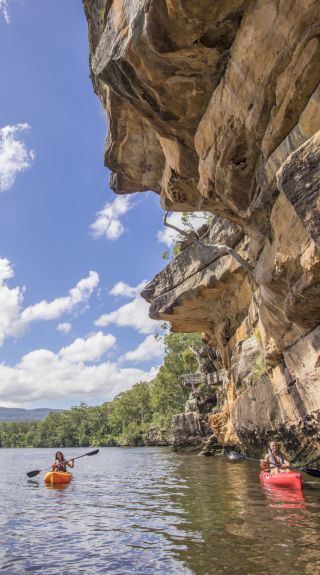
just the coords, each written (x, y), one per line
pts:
(274, 461)
(60, 463)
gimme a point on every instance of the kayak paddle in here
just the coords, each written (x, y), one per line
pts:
(37, 471)
(234, 456)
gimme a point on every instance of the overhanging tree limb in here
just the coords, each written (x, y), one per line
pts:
(219, 249)
(192, 236)
(222, 250)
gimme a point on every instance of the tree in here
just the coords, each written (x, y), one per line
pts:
(168, 395)
(218, 250)
(130, 406)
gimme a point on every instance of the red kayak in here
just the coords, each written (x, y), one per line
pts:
(287, 479)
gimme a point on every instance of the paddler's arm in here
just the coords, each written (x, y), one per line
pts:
(265, 463)
(70, 463)
(286, 464)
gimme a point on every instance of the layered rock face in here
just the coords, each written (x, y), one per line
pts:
(216, 106)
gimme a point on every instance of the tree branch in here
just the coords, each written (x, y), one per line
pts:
(193, 236)
(220, 249)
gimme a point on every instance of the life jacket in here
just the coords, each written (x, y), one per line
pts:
(61, 466)
(279, 457)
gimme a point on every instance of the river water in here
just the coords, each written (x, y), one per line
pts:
(151, 511)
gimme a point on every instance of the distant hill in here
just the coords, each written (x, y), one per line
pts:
(19, 414)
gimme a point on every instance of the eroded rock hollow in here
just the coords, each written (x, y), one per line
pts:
(215, 106)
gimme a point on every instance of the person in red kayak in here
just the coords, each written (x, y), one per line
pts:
(60, 463)
(274, 461)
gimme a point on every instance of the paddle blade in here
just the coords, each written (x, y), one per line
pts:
(234, 456)
(309, 471)
(33, 473)
(93, 452)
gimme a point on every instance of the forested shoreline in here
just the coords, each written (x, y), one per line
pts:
(127, 420)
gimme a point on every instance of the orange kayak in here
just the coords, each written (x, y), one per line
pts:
(287, 479)
(54, 477)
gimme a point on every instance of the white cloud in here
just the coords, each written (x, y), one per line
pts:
(124, 290)
(133, 314)
(64, 327)
(108, 222)
(168, 236)
(14, 155)
(14, 320)
(4, 10)
(10, 301)
(150, 348)
(89, 349)
(43, 376)
(6, 271)
(47, 310)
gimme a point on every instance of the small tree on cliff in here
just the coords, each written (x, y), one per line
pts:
(219, 250)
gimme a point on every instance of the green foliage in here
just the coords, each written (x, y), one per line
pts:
(176, 250)
(133, 435)
(132, 406)
(168, 395)
(123, 421)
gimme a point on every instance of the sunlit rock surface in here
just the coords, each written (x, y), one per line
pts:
(215, 105)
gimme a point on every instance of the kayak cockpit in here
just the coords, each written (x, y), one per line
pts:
(287, 479)
(58, 477)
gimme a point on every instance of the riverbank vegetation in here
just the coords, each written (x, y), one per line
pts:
(127, 420)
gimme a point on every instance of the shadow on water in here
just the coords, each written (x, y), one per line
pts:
(33, 483)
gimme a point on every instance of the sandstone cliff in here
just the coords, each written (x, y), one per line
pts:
(215, 105)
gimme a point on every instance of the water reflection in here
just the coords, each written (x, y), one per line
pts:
(281, 498)
(286, 499)
(57, 486)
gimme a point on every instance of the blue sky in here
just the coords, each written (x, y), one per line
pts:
(72, 254)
